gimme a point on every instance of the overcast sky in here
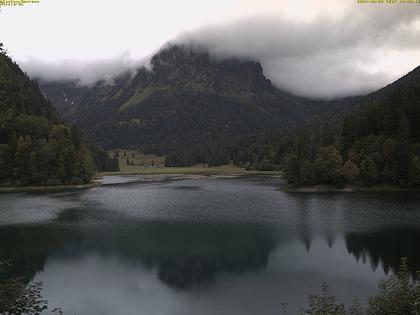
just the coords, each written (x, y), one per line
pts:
(322, 48)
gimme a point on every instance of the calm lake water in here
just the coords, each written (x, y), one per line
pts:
(205, 246)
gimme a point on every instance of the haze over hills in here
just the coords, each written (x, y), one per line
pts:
(186, 100)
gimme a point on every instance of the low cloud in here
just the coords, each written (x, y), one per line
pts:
(356, 52)
(323, 57)
(85, 73)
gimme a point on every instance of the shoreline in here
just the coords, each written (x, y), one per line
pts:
(192, 171)
(219, 174)
(49, 188)
(149, 176)
(346, 189)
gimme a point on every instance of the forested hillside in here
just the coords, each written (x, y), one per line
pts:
(377, 143)
(196, 109)
(188, 106)
(36, 148)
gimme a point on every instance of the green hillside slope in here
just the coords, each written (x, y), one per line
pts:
(35, 147)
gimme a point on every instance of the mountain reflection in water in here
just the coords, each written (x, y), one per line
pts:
(279, 250)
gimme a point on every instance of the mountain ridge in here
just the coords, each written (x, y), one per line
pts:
(194, 105)
(181, 83)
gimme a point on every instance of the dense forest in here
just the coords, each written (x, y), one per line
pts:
(36, 148)
(377, 143)
(103, 162)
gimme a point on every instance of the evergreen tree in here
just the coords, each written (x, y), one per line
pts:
(87, 168)
(6, 162)
(350, 171)
(292, 169)
(22, 158)
(368, 172)
(328, 166)
(36, 148)
(306, 172)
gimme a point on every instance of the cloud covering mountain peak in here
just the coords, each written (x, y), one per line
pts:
(360, 50)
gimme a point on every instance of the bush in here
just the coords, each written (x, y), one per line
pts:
(266, 166)
(368, 172)
(350, 171)
(75, 181)
(324, 304)
(17, 298)
(248, 166)
(399, 295)
(328, 166)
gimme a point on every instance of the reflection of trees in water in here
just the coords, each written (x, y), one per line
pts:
(27, 247)
(330, 238)
(306, 237)
(185, 255)
(386, 247)
(201, 260)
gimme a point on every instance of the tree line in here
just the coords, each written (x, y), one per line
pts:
(36, 148)
(377, 143)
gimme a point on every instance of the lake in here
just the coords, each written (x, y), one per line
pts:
(205, 245)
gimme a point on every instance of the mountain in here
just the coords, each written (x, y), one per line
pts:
(36, 148)
(187, 102)
(378, 142)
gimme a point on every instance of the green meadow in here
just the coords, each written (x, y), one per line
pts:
(133, 162)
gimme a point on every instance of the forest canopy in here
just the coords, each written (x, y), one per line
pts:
(377, 143)
(36, 148)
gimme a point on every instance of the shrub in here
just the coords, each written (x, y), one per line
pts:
(398, 295)
(17, 298)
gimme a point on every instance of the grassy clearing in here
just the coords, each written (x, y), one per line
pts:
(132, 159)
(148, 164)
(137, 98)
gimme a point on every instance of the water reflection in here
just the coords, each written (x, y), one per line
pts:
(28, 247)
(385, 247)
(182, 250)
(186, 255)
